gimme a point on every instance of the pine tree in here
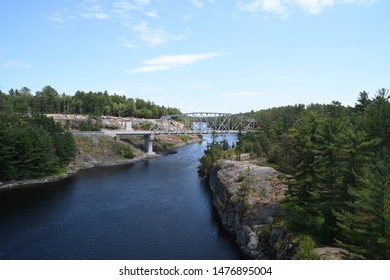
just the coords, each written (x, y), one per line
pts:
(329, 149)
(246, 181)
(302, 211)
(65, 147)
(365, 228)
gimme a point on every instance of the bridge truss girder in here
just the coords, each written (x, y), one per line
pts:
(203, 123)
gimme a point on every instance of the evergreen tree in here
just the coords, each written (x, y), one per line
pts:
(378, 119)
(32, 146)
(65, 147)
(329, 150)
(213, 153)
(365, 228)
(246, 181)
(302, 196)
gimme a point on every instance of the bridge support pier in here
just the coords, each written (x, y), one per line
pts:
(149, 143)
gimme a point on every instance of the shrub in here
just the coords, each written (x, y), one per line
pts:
(306, 249)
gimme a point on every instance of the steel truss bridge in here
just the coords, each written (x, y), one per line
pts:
(191, 123)
(203, 123)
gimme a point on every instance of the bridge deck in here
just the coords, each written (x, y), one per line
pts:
(166, 132)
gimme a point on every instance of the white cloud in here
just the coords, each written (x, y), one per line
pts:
(154, 36)
(57, 17)
(123, 7)
(94, 11)
(152, 14)
(96, 15)
(360, 2)
(274, 6)
(197, 3)
(286, 7)
(314, 6)
(268, 6)
(193, 10)
(181, 59)
(142, 2)
(169, 62)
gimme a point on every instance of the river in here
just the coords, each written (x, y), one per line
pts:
(159, 209)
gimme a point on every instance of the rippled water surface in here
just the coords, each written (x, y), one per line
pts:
(159, 209)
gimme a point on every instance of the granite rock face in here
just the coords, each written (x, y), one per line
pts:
(333, 253)
(259, 232)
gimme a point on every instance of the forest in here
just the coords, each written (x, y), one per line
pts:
(49, 101)
(338, 158)
(33, 146)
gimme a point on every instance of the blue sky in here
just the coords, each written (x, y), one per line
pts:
(199, 55)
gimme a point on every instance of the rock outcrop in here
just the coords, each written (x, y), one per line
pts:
(259, 230)
(332, 253)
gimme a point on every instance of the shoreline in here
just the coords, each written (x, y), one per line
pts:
(72, 170)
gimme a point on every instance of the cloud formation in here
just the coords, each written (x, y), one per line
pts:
(146, 19)
(285, 7)
(142, 17)
(92, 10)
(168, 62)
(153, 36)
(126, 6)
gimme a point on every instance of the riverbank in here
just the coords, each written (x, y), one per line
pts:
(96, 149)
(72, 170)
(255, 216)
(252, 215)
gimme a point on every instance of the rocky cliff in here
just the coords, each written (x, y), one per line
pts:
(256, 220)
(256, 224)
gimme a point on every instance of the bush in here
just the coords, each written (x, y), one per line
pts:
(306, 249)
(124, 151)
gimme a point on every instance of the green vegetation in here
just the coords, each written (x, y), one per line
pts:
(246, 180)
(90, 125)
(215, 151)
(103, 149)
(48, 101)
(340, 193)
(306, 249)
(185, 138)
(32, 146)
(124, 151)
(339, 159)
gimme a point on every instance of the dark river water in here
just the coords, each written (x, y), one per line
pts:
(159, 209)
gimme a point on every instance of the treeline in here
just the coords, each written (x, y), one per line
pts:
(339, 159)
(48, 101)
(32, 146)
